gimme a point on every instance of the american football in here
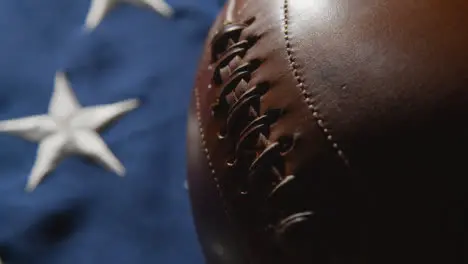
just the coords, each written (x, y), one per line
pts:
(328, 131)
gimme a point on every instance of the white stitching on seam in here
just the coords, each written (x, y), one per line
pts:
(308, 97)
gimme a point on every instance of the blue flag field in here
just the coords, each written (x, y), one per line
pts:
(93, 106)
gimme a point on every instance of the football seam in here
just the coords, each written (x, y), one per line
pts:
(308, 96)
(205, 150)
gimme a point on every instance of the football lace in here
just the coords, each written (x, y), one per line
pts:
(258, 175)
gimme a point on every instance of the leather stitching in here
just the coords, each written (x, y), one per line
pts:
(308, 97)
(207, 153)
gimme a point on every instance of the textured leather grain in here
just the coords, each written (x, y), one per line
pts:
(332, 131)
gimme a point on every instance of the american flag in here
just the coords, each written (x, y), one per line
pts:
(93, 103)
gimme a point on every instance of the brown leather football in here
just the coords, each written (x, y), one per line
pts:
(332, 132)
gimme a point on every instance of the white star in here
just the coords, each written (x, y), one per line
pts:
(99, 8)
(68, 129)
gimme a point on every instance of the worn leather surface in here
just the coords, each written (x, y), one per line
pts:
(372, 94)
